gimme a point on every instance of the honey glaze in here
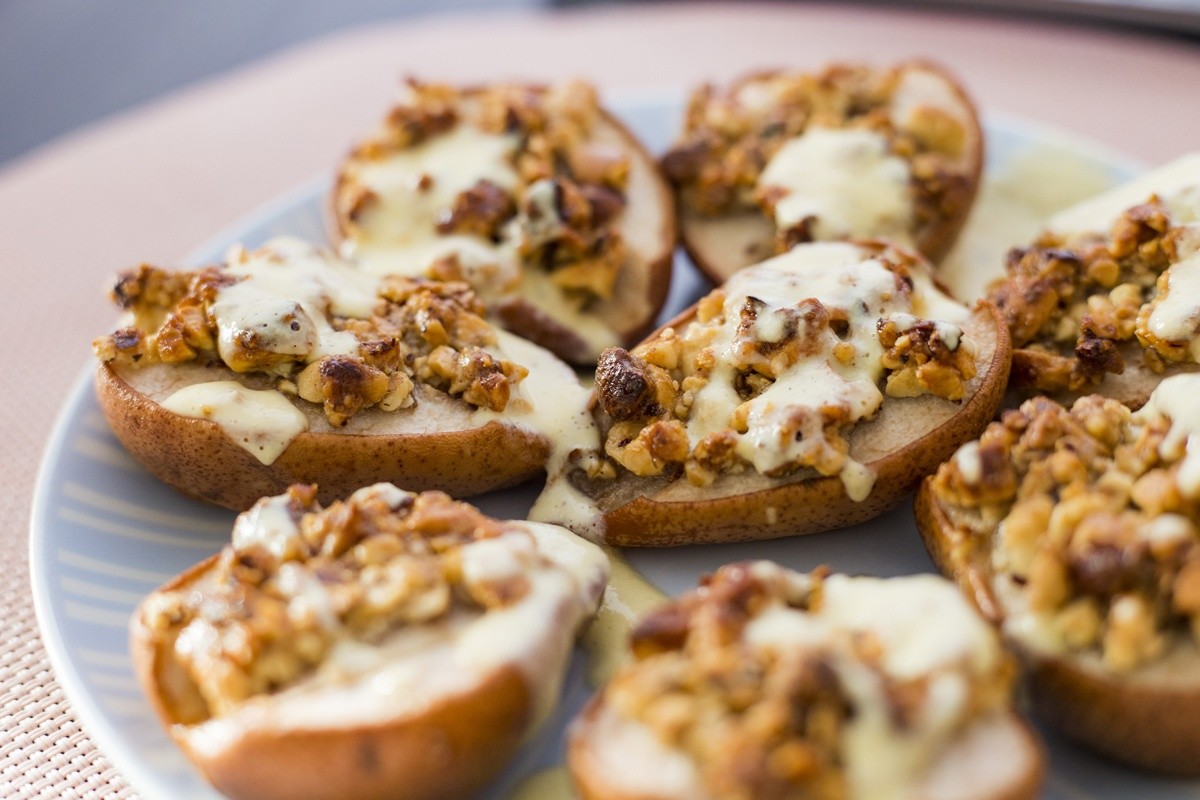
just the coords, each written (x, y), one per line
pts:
(551, 783)
(627, 597)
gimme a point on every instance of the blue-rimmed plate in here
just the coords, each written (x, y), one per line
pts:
(104, 532)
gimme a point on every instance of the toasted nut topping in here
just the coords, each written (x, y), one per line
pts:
(1090, 522)
(298, 580)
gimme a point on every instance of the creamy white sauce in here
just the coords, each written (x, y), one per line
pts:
(1176, 318)
(846, 179)
(921, 89)
(840, 276)
(1176, 399)
(627, 598)
(398, 233)
(261, 422)
(419, 665)
(268, 524)
(286, 293)
(554, 404)
(416, 187)
(1176, 183)
(551, 783)
(926, 628)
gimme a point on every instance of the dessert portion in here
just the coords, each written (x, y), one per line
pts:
(287, 364)
(1107, 299)
(1075, 529)
(536, 197)
(391, 643)
(809, 392)
(851, 152)
(770, 684)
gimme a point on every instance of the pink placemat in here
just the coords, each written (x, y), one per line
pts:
(151, 184)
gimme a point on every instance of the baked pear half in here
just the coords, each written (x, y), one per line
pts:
(810, 392)
(850, 152)
(1107, 299)
(390, 645)
(287, 364)
(537, 197)
(1076, 531)
(772, 684)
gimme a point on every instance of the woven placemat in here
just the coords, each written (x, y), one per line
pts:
(44, 753)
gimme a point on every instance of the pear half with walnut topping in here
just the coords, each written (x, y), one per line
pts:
(287, 364)
(809, 393)
(390, 645)
(536, 196)
(775, 685)
(1077, 531)
(849, 152)
(1107, 299)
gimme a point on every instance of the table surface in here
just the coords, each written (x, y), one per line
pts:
(153, 183)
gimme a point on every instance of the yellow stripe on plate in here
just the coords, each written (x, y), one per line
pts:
(97, 616)
(120, 683)
(105, 453)
(132, 532)
(100, 658)
(125, 706)
(113, 505)
(98, 592)
(101, 567)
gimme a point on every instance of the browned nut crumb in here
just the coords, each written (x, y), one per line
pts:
(421, 332)
(1072, 300)
(1091, 522)
(276, 602)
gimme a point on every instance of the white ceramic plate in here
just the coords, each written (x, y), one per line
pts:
(104, 533)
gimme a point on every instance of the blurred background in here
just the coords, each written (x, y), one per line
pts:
(66, 63)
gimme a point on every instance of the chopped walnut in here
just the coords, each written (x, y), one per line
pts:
(1072, 301)
(480, 210)
(925, 357)
(728, 140)
(761, 721)
(431, 333)
(649, 393)
(280, 598)
(1088, 519)
(562, 215)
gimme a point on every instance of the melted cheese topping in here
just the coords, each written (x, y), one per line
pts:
(846, 179)
(420, 665)
(1176, 318)
(926, 629)
(261, 422)
(1175, 399)
(287, 291)
(921, 89)
(839, 276)
(555, 405)
(416, 187)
